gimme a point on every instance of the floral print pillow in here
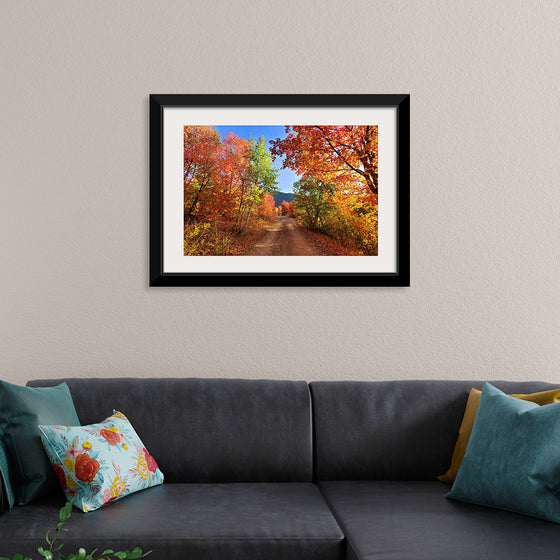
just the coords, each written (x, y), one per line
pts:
(100, 462)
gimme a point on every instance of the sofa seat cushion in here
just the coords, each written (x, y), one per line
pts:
(239, 521)
(394, 520)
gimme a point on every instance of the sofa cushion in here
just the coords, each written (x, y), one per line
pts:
(391, 430)
(272, 521)
(21, 410)
(401, 520)
(8, 498)
(99, 463)
(209, 430)
(542, 398)
(513, 457)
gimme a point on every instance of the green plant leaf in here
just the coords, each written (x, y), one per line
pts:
(4, 558)
(64, 514)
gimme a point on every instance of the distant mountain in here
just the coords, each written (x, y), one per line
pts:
(287, 196)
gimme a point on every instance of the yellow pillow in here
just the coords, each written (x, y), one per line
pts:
(542, 398)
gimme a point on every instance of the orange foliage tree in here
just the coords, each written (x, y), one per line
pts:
(332, 154)
(234, 163)
(338, 190)
(267, 209)
(201, 148)
(227, 184)
(287, 208)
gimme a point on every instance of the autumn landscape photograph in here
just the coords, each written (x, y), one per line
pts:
(280, 190)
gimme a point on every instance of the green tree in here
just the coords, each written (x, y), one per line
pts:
(261, 179)
(313, 201)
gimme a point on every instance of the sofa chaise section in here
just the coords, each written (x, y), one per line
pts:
(379, 448)
(404, 520)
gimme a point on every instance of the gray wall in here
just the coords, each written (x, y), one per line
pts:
(485, 170)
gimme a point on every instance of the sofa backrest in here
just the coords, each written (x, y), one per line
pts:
(391, 430)
(208, 430)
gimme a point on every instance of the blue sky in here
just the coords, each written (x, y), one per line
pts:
(286, 177)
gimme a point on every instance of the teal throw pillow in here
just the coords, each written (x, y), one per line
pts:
(513, 457)
(6, 488)
(99, 463)
(21, 410)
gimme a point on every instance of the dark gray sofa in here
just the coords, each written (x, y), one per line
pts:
(283, 470)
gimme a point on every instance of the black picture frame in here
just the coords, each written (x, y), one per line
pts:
(400, 277)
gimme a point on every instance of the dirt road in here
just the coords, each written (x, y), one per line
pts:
(284, 238)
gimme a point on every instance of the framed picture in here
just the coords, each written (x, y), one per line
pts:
(279, 190)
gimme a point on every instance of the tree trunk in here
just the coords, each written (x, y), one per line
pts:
(368, 158)
(248, 216)
(196, 197)
(193, 205)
